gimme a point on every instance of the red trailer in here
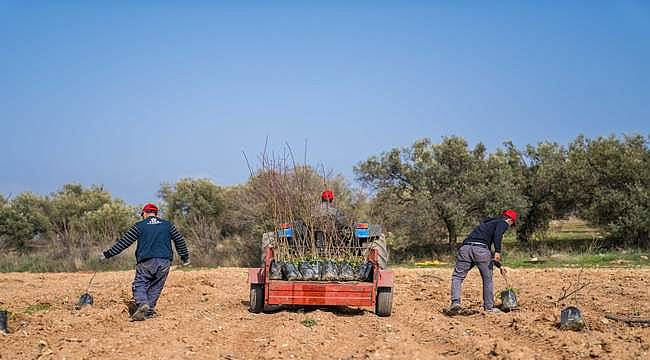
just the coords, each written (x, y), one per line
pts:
(377, 293)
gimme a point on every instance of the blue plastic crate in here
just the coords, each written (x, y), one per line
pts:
(285, 233)
(362, 232)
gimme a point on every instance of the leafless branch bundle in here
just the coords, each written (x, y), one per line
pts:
(573, 287)
(290, 194)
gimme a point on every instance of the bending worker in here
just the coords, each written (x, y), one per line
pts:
(475, 251)
(328, 219)
(154, 257)
(327, 209)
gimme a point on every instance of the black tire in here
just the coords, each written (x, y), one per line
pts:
(256, 299)
(382, 250)
(384, 303)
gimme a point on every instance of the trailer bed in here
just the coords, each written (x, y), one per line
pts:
(376, 293)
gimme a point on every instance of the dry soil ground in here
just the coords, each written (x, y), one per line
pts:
(204, 316)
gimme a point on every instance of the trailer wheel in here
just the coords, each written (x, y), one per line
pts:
(384, 304)
(257, 298)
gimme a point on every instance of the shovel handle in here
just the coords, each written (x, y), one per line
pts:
(91, 281)
(505, 277)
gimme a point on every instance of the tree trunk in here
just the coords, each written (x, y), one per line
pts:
(451, 233)
(527, 225)
(644, 240)
(523, 235)
(452, 239)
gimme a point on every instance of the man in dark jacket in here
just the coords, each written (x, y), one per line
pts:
(475, 251)
(154, 257)
(326, 209)
(328, 219)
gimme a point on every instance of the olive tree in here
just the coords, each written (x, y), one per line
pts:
(451, 183)
(611, 178)
(196, 207)
(24, 223)
(542, 175)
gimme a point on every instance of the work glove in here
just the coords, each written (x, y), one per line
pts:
(185, 262)
(102, 258)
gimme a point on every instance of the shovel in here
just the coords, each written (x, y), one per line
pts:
(505, 277)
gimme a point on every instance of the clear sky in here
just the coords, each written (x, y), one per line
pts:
(131, 94)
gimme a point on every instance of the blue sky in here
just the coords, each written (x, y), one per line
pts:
(131, 94)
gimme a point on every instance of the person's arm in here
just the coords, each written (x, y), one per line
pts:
(127, 240)
(501, 228)
(179, 244)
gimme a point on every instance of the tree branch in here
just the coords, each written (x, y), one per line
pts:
(567, 290)
(627, 320)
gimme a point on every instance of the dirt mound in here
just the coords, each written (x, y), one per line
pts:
(203, 315)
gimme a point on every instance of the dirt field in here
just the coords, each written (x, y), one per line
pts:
(204, 316)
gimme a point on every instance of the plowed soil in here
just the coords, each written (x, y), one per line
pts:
(203, 315)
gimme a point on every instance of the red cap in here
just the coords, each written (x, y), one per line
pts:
(511, 214)
(327, 195)
(150, 208)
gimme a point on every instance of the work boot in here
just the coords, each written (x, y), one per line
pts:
(151, 313)
(140, 313)
(493, 311)
(453, 309)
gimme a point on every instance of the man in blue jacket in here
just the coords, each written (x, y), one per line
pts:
(475, 251)
(154, 257)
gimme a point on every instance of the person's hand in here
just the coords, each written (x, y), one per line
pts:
(497, 256)
(102, 258)
(185, 262)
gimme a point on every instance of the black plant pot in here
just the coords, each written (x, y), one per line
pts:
(571, 319)
(329, 271)
(4, 316)
(275, 270)
(84, 299)
(509, 300)
(290, 272)
(363, 272)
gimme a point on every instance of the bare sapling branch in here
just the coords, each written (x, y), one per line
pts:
(572, 288)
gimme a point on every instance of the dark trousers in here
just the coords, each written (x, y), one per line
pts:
(468, 257)
(150, 277)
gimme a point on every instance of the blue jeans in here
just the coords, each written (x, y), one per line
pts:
(468, 257)
(150, 277)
